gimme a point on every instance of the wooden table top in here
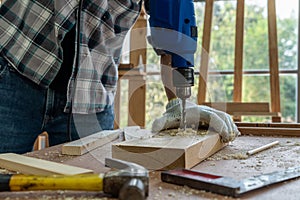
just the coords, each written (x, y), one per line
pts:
(227, 162)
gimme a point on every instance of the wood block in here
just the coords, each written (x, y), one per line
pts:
(86, 144)
(162, 153)
(35, 166)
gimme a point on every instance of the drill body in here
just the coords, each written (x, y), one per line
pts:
(173, 31)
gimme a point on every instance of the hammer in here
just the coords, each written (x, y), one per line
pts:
(130, 181)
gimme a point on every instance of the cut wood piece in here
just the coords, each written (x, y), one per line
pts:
(168, 152)
(35, 166)
(86, 144)
(269, 131)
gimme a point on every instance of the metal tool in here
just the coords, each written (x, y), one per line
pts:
(226, 185)
(174, 31)
(131, 180)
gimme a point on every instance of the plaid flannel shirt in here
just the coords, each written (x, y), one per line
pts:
(31, 32)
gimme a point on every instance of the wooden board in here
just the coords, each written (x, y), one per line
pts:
(35, 166)
(272, 125)
(86, 144)
(168, 152)
(233, 107)
(271, 131)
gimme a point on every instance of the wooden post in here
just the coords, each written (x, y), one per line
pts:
(137, 85)
(273, 57)
(205, 51)
(239, 51)
(117, 104)
(239, 47)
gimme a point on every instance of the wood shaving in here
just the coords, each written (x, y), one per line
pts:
(181, 132)
(297, 144)
(171, 194)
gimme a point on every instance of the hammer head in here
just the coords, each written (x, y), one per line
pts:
(129, 177)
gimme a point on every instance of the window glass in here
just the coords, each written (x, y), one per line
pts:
(287, 30)
(256, 51)
(223, 35)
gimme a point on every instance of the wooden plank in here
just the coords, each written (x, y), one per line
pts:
(273, 57)
(275, 114)
(206, 38)
(239, 52)
(86, 144)
(280, 125)
(162, 153)
(232, 107)
(269, 131)
(35, 166)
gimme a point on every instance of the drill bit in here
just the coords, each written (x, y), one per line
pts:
(183, 116)
(183, 93)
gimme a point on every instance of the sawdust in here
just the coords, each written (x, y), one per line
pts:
(46, 197)
(297, 144)
(235, 156)
(181, 132)
(5, 171)
(190, 192)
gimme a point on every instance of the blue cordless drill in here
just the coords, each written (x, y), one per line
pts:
(174, 31)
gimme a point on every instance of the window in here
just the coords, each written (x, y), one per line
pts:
(255, 62)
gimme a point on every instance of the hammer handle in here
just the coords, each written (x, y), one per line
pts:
(19, 182)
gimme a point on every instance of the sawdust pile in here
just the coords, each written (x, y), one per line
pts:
(181, 132)
(235, 156)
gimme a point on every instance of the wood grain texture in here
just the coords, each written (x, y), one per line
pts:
(35, 166)
(168, 152)
(86, 144)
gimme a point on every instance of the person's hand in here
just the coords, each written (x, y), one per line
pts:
(196, 116)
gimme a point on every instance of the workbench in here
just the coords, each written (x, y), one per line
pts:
(226, 162)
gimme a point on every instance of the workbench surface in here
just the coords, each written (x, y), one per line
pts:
(230, 162)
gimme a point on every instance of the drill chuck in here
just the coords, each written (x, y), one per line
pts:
(183, 80)
(183, 77)
(183, 92)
